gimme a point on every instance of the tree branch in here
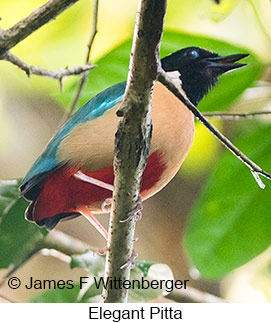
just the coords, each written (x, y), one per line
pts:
(84, 78)
(12, 36)
(132, 142)
(224, 115)
(64, 243)
(254, 168)
(38, 70)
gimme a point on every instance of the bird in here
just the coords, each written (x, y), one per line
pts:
(74, 175)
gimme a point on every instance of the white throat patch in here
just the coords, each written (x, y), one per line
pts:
(175, 77)
(176, 80)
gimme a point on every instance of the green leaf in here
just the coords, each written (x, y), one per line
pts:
(144, 266)
(8, 194)
(113, 68)
(91, 261)
(18, 238)
(92, 294)
(157, 272)
(58, 296)
(231, 222)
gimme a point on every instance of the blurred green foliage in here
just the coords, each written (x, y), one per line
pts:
(58, 295)
(231, 223)
(18, 238)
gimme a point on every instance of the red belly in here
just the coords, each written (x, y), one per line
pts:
(63, 193)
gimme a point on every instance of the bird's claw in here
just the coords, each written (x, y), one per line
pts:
(131, 261)
(136, 212)
(102, 251)
(107, 205)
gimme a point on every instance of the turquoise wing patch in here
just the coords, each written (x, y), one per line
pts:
(93, 109)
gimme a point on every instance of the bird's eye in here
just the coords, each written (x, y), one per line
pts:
(193, 54)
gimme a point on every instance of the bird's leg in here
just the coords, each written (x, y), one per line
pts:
(84, 210)
(83, 177)
(87, 213)
(136, 212)
(106, 207)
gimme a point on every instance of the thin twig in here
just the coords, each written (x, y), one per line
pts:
(12, 36)
(38, 70)
(254, 168)
(132, 144)
(9, 38)
(55, 254)
(64, 243)
(94, 29)
(224, 115)
(259, 20)
(193, 295)
(84, 78)
(9, 300)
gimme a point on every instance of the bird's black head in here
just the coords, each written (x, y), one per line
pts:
(199, 69)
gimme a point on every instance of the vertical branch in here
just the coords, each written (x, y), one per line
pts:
(132, 143)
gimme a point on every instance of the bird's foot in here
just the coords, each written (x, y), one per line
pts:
(131, 261)
(136, 212)
(107, 205)
(102, 251)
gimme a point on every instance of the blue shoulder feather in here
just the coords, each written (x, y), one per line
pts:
(93, 109)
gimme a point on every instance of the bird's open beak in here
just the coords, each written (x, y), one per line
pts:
(225, 63)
